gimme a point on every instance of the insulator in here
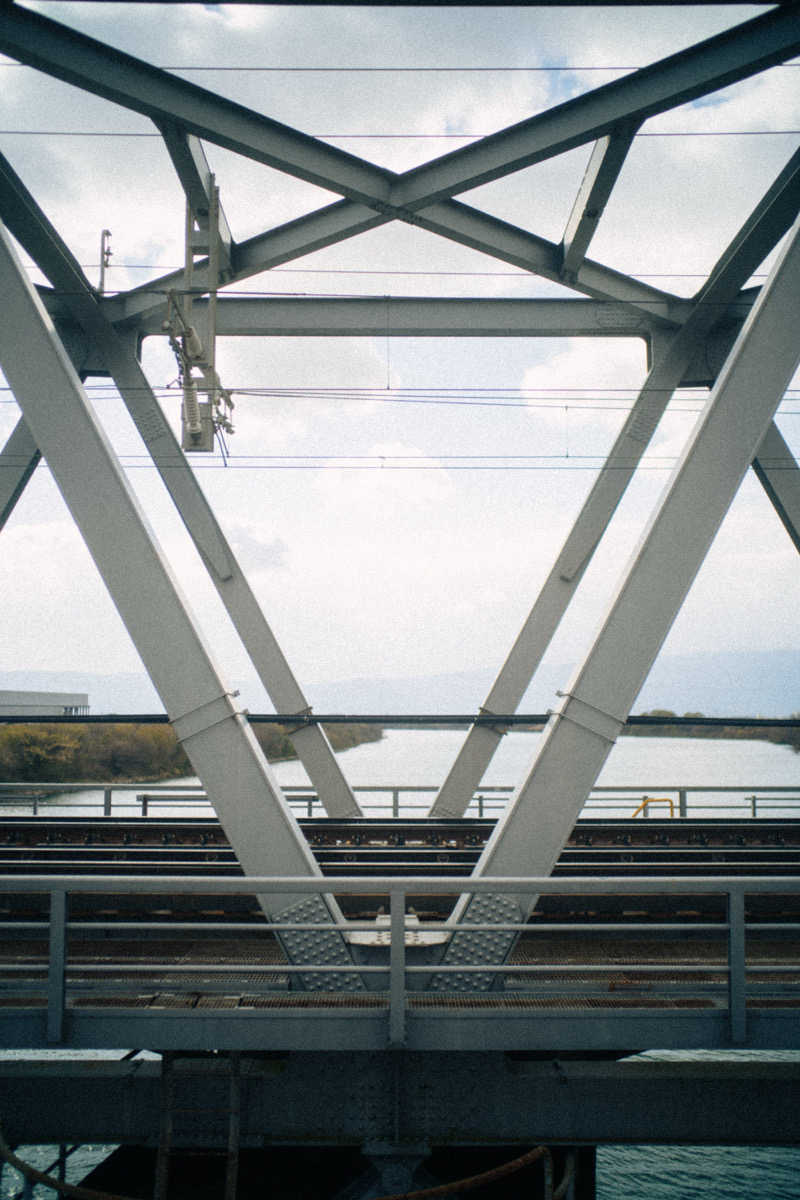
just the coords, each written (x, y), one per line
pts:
(192, 345)
(191, 409)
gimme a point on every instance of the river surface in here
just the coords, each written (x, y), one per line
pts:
(421, 758)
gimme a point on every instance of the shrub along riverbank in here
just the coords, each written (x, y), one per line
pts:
(136, 753)
(786, 736)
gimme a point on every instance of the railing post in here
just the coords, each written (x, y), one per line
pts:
(753, 806)
(107, 802)
(395, 802)
(480, 806)
(57, 966)
(397, 968)
(737, 963)
(144, 804)
(683, 807)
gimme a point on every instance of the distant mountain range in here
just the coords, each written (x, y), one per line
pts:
(749, 683)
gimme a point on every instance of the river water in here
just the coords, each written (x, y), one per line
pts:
(421, 758)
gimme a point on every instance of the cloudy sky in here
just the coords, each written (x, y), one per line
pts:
(398, 502)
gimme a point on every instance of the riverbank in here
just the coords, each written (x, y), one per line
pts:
(778, 735)
(126, 753)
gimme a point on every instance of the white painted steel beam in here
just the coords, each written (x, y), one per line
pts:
(759, 233)
(191, 166)
(452, 220)
(531, 833)
(779, 474)
(420, 316)
(326, 227)
(607, 160)
(416, 316)
(37, 235)
(18, 460)
(470, 227)
(715, 63)
(217, 739)
(134, 84)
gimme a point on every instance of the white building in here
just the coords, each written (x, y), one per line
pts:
(43, 704)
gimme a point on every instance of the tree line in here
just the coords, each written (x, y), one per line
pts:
(786, 736)
(128, 753)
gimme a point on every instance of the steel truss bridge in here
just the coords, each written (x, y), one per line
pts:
(390, 1034)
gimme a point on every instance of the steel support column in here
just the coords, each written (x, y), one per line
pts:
(220, 745)
(579, 736)
(42, 242)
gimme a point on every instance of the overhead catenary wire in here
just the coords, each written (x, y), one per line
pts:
(552, 400)
(683, 133)
(289, 69)
(125, 266)
(552, 464)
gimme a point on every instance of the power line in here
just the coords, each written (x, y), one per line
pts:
(355, 271)
(439, 70)
(546, 400)
(551, 467)
(112, 133)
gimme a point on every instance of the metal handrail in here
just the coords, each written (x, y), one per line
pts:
(648, 800)
(398, 889)
(487, 801)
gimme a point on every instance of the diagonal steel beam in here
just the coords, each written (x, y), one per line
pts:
(605, 164)
(325, 227)
(19, 458)
(190, 163)
(531, 833)
(470, 227)
(36, 234)
(779, 475)
(763, 229)
(450, 219)
(95, 67)
(712, 64)
(734, 55)
(217, 739)
(717, 62)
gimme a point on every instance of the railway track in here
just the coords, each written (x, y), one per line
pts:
(377, 847)
(181, 949)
